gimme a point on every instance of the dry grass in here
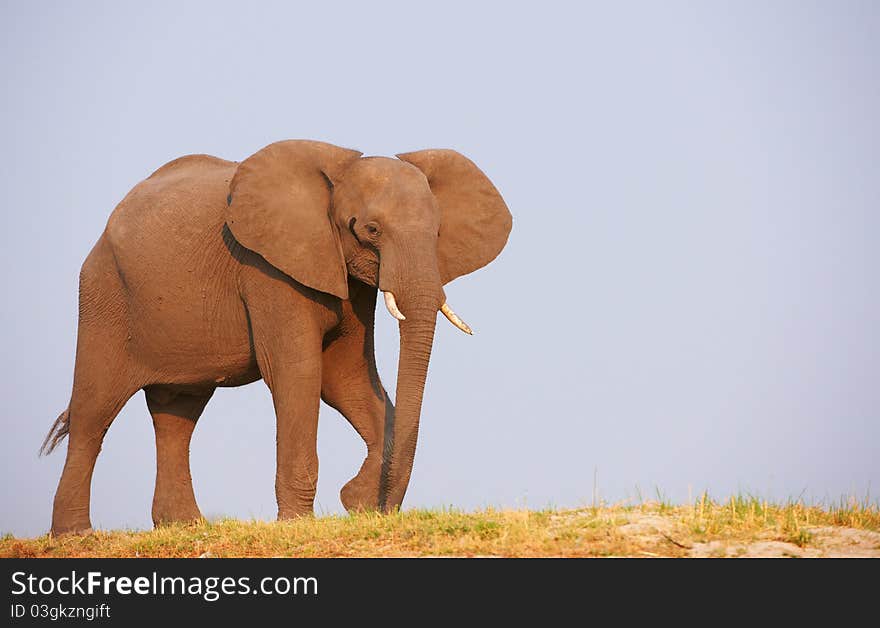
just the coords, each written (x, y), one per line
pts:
(651, 529)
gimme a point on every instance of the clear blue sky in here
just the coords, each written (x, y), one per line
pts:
(689, 297)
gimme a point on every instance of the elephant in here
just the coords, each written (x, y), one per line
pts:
(213, 273)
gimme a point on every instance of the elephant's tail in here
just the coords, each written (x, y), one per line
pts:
(57, 433)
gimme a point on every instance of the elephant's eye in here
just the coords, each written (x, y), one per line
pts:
(372, 228)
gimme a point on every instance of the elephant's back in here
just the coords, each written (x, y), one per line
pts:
(185, 194)
(167, 238)
(190, 166)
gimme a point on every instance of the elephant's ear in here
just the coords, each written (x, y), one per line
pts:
(278, 206)
(474, 220)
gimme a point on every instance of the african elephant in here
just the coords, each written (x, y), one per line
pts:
(217, 273)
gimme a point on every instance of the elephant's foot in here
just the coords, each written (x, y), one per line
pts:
(73, 528)
(294, 503)
(361, 492)
(169, 508)
(73, 532)
(163, 517)
(287, 514)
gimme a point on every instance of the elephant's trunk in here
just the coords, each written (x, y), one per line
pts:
(416, 339)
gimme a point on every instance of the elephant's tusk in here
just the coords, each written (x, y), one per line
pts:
(455, 320)
(391, 304)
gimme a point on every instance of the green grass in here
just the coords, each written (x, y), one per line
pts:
(656, 528)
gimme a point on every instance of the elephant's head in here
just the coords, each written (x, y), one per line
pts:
(407, 226)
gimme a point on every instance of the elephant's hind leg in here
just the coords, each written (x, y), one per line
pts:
(174, 418)
(103, 381)
(104, 378)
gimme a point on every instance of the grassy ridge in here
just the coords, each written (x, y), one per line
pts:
(706, 527)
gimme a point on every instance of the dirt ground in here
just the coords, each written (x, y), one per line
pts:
(819, 542)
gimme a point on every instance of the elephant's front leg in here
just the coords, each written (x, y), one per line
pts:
(288, 352)
(350, 384)
(368, 416)
(296, 393)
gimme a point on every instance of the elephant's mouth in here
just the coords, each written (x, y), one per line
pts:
(448, 312)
